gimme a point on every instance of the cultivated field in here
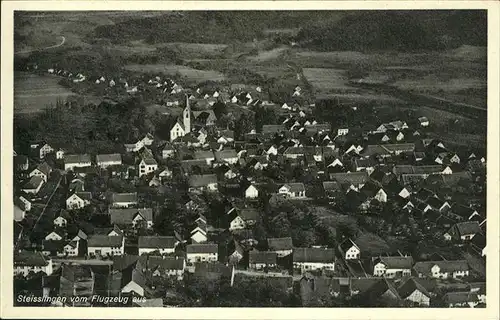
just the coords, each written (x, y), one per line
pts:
(327, 80)
(195, 50)
(189, 73)
(34, 93)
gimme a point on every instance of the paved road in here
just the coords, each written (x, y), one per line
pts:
(63, 40)
(94, 262)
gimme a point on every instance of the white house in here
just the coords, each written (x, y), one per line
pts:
(71, 249)
(43, 171)
(147, 165)
(78, 200)
(391, 267)
(242, 218)
(41, 149)
(201, 252)
(53, 236)
(413, 291)
(106, 160)
(29, 261)
(60, 154)
(162, 244)
(106, 245)
(293, 190)
(76, 160)
(123, 200)
(350, 250)
(309, 259)
(132, 217)
(18, 213)
(443, 269)
(424, 122)
(251, 192)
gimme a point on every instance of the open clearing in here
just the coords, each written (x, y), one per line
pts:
(195, 50)
(187, 72)
(33, 93)
(268, 54)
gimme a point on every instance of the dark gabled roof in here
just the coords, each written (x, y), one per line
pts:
(202, 180)
(111, 157)
(461, 210)
(268, 257)
(468, 227)
(330, 186)
(29, 258)
(124, 197)
(424, 267)
(277, 244)
(409, 286)
(354, 178)
(396, 262)
(202, 248)
(225, 154)
(53, 245)
(84, 195)
(126, 216)
(33, 182)
(204, 154)
(272, 128)
(104, 241)
(44, 168)
(121, 263)
(295, 186)
(156, 242)
(212, 270)
(166, 263)
(313, 255)
(318, 287)
(248, 214)
(76, 158)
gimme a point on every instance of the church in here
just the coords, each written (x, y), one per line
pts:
(182, 127)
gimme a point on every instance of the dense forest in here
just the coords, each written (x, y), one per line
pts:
(398, 30)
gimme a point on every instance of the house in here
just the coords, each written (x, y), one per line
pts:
(443, 269)
(53, 247)
(282, 246)
(162, 244)
(72, 161)
(168, 151)
(460, 299)
(136, 218)
(226, 155)
(199, 233)
(71, 249)
(206, 155)
(33, 185)
(424, 122)
(350, 250)
(202, 252)
(355, 179)
(105, 245)
(106, 160)
(437, 204)
(123, 200)
(391, 267)
(242, 218)
(203, 182)
(21, 162)
(134, 147)
(373, 191)
(308, 259)
(318, 288)
(462, 213)
(479, 288)
(41, 149)
(19, 213)
(411, 290)
(147, 164)
(214, 272)
(43, 171)
(29, 261)
(235, 252)
(463, 231)
(53, 236)
(259, 260)
(111, 232)
(293, 190)
(251, 192)
(164, 267)
(62, 219)
(78, 200)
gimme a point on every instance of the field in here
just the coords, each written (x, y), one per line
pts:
(195, 50)
(189, 73)
(34, 93)
(327, 80)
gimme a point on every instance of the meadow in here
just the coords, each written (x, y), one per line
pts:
(33, 93)
(190, 74)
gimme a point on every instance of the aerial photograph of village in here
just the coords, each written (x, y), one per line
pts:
(250, 158)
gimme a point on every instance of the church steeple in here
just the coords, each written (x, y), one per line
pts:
(186, 116)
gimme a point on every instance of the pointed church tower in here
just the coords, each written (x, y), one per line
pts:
(186, 117)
